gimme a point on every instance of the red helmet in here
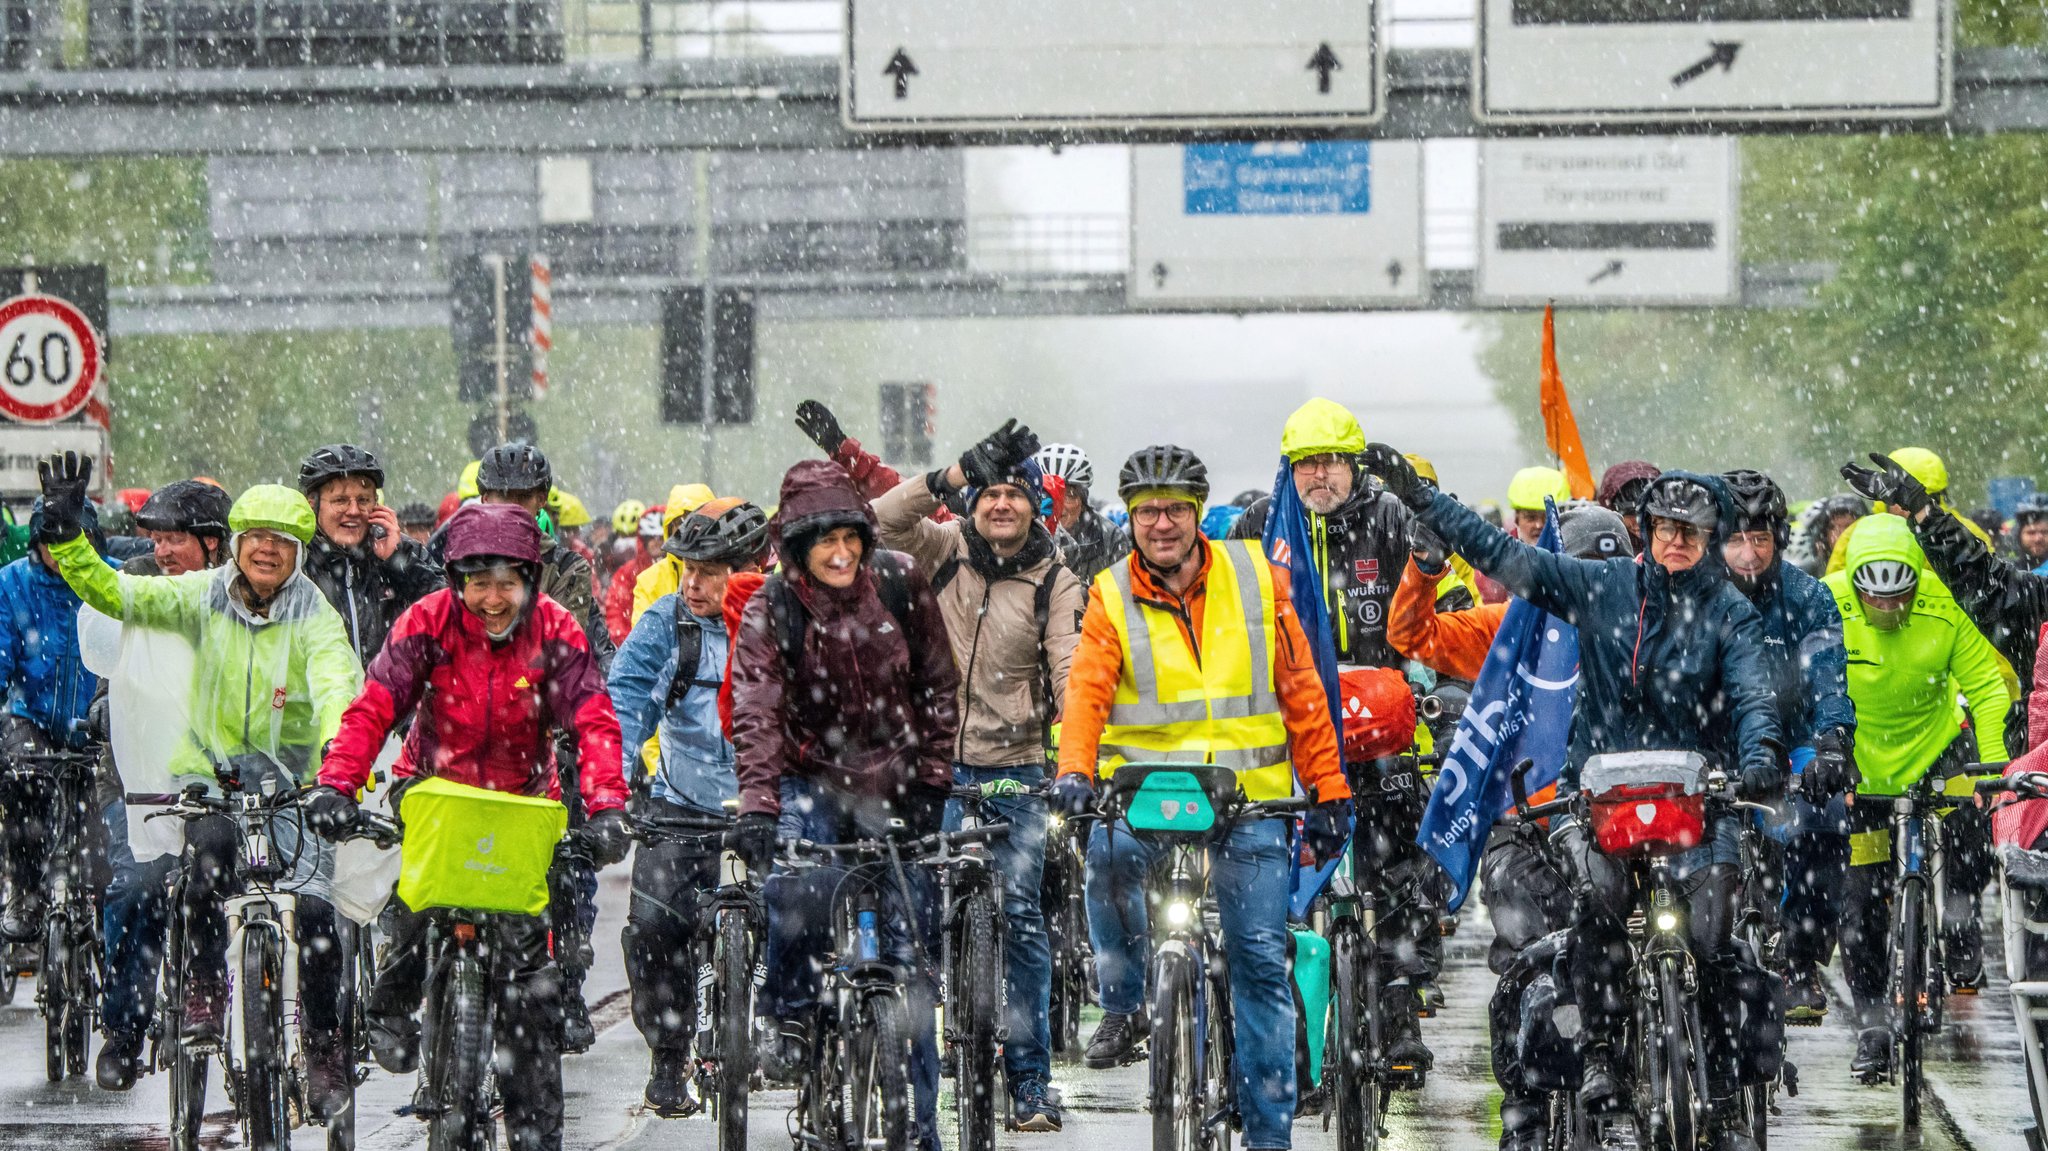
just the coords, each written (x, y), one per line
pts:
(1379, 713)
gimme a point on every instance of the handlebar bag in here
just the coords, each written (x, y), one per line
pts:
(475, 849)
(1646, 802)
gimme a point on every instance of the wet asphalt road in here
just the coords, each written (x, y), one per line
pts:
(1977, 1078)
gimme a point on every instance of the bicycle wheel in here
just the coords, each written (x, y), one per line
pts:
(84, 997)
(265, 1126)
(459, 1070)
(53, 989)
(1176, 1075)
(187, 1075)
(878, 1075)
(1350, 1065)
(972, 1024)
(1678, 1044)
(1912, 943)
(732, 1011)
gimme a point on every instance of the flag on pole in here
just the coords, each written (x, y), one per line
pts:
(1560, 429)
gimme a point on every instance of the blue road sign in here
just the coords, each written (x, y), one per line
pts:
(1278, 179)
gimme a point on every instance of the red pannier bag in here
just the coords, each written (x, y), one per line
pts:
(1646, 802)
(1379, 713)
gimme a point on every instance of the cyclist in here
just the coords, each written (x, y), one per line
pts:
(49, 692)
(360, 559)
(186, 523)
(493, 669)
(1527, 489)
(1621, 490)
(845, 717)
(1930, 473)
(665, 683)
(1088, 541)
(1013, 612)
(1803, 654)
(1670, 659)
(571, 517)
(274, 672)
(1359, 536)
(1911, 649)
(417, 521)
(1197, 602)
(2030, 532)
(646, 537)
(664, 573)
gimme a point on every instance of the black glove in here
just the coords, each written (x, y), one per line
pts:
(1398, 475)
(1759, 784)
(923, 809)
(330, 813)
(1889, 484)
(1429, 549)
(1833, 769)
(1073, 794)
(753, 839)
(817, 421)
(605, 835)
(1327, 827)
(991, 460)
(65, 478)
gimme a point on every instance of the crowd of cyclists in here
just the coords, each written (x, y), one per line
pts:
(866, 653)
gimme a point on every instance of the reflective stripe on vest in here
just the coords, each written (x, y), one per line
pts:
(1223, 709)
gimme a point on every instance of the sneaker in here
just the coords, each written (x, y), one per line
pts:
(119, 1063)
(330, 1073)
(1117, 1041)
(1032, 1107)
(206, 1003)
(395, 1043)
(1873, 1054)
(1598, 1090)
(668, 1085)
(781, 1050)
(578, 1034)
(1805, 1002)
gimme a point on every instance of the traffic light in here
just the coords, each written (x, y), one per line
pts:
(473, 322)
(682, 356)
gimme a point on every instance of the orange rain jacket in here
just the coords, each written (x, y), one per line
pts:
(1452, 643)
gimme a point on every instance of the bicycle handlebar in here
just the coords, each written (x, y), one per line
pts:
(193, 802)
(804, 850)
(2026, 785)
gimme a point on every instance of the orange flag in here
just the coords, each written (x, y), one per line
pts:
(1560, 430)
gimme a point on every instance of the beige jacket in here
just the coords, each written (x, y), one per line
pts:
(1005, 699)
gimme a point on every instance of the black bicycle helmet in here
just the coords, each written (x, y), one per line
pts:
(514, 467)
(1845, 505)
(1163, 468)
(2034, 507)
(1759, 504)
(416, 515)
(334, 461)
(724, 531)
(1684, 500)
(186, 506)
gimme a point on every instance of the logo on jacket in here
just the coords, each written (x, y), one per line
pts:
(521, 682)
(277, 700)
(1366, 571)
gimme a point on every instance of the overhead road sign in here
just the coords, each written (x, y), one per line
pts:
(1609, 221)
(1687, 61)
(1277, 225)
(945, 65)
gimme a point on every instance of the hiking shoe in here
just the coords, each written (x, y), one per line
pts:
(23, 921)
(1033, 1108)
(119, 1063)
(1599, 1092)
(395, 1043)
(1805, 1002)
(668, 1085)
(330, 1073)
(1117, 1041)
(578, 1035)
(1408, 1061)
(1873, 1054)
(206, 1004)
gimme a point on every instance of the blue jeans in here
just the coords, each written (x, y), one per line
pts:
(1249, 877)
(133, 924)
(1027, 954)
(800, 928)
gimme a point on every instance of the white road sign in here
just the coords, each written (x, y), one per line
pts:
(1564, 61)
(1614, 220)
(1277, 225)
(22, 446)
(49, 359)
(945, 65)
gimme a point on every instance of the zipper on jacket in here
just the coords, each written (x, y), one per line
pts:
(967, 682)
(348, 592)
(1178, 609)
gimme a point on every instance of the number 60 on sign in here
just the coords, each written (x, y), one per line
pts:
(49, 359)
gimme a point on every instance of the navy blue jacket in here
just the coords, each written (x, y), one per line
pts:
(1803, 653)
(47, 683)
(1668, 661)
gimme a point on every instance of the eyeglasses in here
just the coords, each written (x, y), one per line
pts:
(1176, 511)
(1672, 531)
(1754, 541)
(1327, 462)
(349, 503)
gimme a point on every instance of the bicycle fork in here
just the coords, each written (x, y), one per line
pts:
(263, 919)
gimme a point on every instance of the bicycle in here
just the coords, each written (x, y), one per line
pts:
(1186, 808)
(68, 964)
(2023, 885)
(1756, 920)
(1063, 898)
(974, 932)
(728, 954)
(263, 1064)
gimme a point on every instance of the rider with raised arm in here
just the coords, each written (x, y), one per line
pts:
(493, 669)
(1205, 612)
(1670, 659)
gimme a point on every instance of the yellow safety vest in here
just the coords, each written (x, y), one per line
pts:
(1224, 709)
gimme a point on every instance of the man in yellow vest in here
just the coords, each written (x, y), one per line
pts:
(1190, 651)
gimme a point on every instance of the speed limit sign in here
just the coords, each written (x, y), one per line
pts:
(49, 359)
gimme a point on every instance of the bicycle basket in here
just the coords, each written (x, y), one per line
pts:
(1646, 802)
(1174, 801)
(475, 849)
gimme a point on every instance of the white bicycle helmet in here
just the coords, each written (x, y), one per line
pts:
(1886, 578)
(1068, 462)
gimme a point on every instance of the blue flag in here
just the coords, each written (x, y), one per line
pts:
(1521, 708)
(1287, 543)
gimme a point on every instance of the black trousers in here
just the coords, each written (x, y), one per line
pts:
(670, 884)
(211, 845)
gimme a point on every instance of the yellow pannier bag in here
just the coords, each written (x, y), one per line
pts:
(476, 849)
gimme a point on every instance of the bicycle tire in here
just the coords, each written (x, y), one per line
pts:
(461, 1053)
(878, 1075)
(1678, 1041)
(1175, 1078)
(265, 1124)
(977, 966)
(1912, 986)
(187, 1082)
(1350, 1066)
(78, 1018)
(52, 980)
(732, 1010)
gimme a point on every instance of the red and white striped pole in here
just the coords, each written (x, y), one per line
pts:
(542, 338)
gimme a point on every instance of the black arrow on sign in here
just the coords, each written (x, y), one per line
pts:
(1612, 270)
(900, 67)
(1722, 57)
(1394, 270)
(1322, 64)
(1159, 274)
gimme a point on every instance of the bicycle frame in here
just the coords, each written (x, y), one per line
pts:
(1186, 908)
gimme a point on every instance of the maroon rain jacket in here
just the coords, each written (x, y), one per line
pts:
(870, 705)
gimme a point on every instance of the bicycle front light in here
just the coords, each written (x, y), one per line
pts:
(1667, 921)
(1177, 913)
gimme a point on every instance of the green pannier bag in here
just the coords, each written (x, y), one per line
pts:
(475, 849)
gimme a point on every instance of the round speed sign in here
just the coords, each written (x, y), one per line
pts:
(49, 359)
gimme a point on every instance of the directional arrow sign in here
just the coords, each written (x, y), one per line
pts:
(1687, 61)
(1616, 220)
(1329, 224)
(1163, 64)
